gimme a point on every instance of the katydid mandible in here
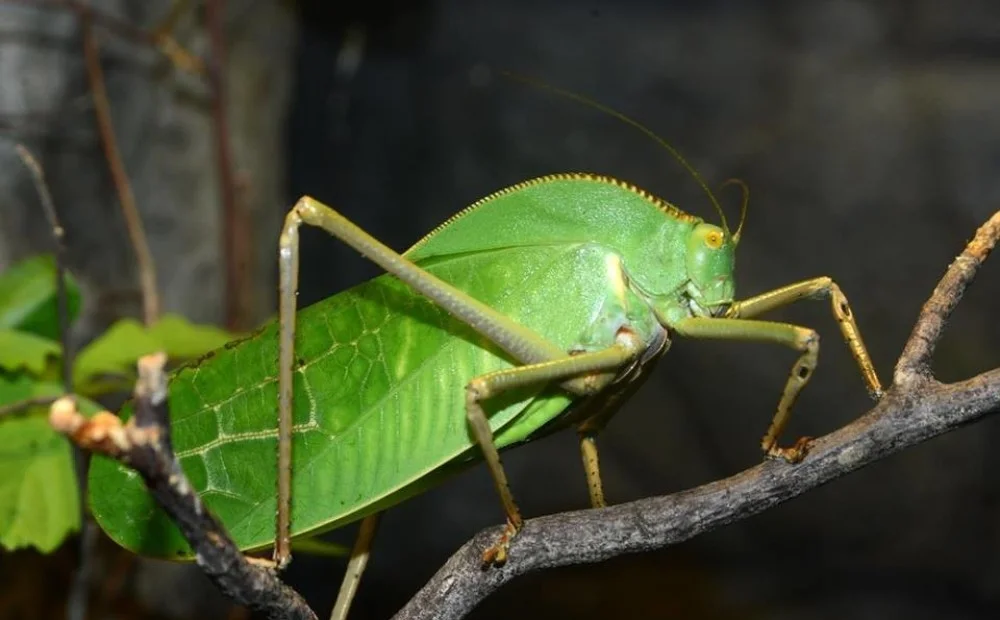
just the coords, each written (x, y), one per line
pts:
(539, 307)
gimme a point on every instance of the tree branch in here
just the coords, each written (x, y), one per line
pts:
(914, 363)
(914, 409)
(143, 443)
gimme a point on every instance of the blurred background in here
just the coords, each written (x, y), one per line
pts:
(868, 132)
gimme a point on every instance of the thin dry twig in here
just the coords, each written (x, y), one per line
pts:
(59, 238)
(136, 233)
(914, 409)
(234, 228)
(79, 591)
(22, 406)
(914, 363)
(143, 443)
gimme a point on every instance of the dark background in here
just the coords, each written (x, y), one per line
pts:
(868, 133)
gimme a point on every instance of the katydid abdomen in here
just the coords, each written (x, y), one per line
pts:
(380, 377)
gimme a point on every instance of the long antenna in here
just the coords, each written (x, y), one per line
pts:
(634, 123)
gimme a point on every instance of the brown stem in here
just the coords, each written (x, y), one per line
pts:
(102, 110)
(21, 406)
(79, 591)
(234, 230)
(58, 237)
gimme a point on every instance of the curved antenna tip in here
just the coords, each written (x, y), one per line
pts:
(743, 208)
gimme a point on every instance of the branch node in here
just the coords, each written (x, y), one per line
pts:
(143, 443)
(916, 357)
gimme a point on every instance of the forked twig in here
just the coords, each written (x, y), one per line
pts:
(915, 361)
(914, 409)
(143, 443)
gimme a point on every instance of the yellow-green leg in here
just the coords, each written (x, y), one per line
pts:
(602, 407)
(817, 288)
(583, 374)
(355, 567)
(804, 340)
(520, 342)
(592, 468)
(597, 415)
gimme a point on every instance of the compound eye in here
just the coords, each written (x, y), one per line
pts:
(714, 240)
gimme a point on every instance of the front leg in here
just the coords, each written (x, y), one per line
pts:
(802, 339)
(816, 288)
(581, 374)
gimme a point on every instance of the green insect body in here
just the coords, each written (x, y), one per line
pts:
(381, 372)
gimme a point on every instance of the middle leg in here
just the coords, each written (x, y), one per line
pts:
(581, 374)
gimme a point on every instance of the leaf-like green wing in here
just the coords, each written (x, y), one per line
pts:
(379, 401)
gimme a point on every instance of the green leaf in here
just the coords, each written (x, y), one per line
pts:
(182, 339)
(39, 500)
(21, 350)
(116, 350)
(112, 353)
(28, 297)
(19, 387)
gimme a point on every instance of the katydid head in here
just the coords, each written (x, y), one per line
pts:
(711, 261)
(710, 249)
(710, 267)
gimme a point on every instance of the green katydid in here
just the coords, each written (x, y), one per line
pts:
(540, 307)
